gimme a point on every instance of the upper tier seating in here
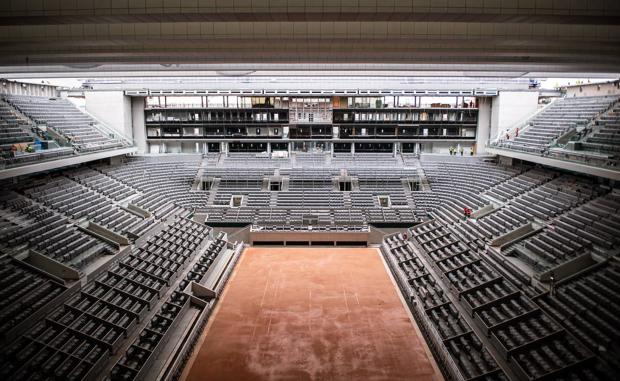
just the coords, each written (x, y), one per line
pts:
(605, 136)
(556, 120)
(11, 131)
(66, 119)
(15, 137)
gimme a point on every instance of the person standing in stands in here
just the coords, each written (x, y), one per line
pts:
(462, 149)
(517, 132)
(471, 151)
(467, 212)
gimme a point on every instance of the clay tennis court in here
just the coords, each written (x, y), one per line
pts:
(311, 314)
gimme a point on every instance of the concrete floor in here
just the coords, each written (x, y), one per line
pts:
(311, 314)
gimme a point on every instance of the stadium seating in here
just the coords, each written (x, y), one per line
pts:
(605, 136)
(556, 120)
(95, 322)
(509, 317)
(102, 184)
(15, 136)
(34, 226)
(442, 322)
(11, 131)
(473, 311)
(66, 119)
(23, 291)
(592, 228)
(165, 183)
(459, 185)
(146, 347)
(78, 202)
(588, 307)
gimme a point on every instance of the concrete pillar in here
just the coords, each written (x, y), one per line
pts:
(269, 149)
(483, 132)
(290, 148)
(138, 124)
(353, 148)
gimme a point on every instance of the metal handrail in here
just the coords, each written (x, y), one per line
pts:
(522, 124)
(105, 128)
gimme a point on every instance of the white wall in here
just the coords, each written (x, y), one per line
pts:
(113, 108)
(483, 132)
(138, 124)
(26, 88)
(511, 107)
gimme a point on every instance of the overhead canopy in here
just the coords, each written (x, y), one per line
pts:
(533, 35)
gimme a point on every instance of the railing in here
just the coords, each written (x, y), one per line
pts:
(589, 127)
(556, 150)
(107, 130)
(558, 153)
(521, 125)
(38, 156)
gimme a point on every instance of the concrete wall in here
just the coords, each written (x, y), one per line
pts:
(113, 108)
(591, 90)
(444, 147)
(21, 88)
(511, 107)
(138, 124)
(483, 132)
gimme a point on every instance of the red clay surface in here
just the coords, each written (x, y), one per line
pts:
(311, 314)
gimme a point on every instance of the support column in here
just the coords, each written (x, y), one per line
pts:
(138, 124)
(353, 148)
(269, 149)
(483, 132)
